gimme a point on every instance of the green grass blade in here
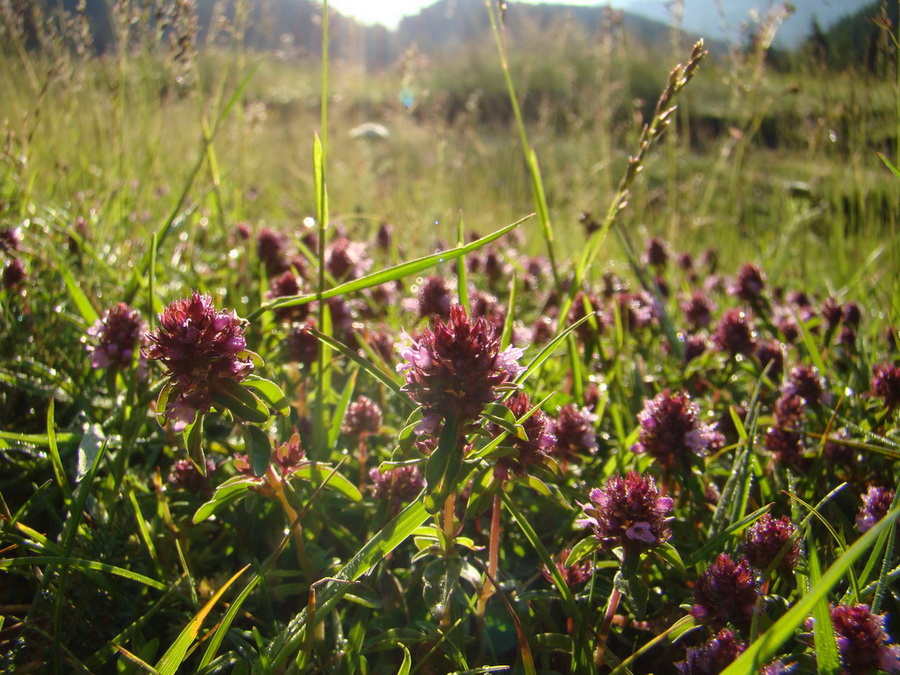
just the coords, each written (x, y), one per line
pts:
(173, 658)
(758, 653)
(828, 660)
(58, 470)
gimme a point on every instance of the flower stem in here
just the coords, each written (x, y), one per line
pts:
(487, 588)
(275, 483)
(611, 606)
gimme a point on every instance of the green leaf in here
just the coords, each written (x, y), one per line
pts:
(81, 564)
(318, 472)
(717, 543)
(227, 493)
(669, 555)
(173, 658)
(443, 466)
(269, 392)
(58, 470)
(440, 579)
(85, 308)
(828, 659)
(239, 400)
(193, 442)
(406, 665)
(760, 651)
(340, 410)
(582, 550)
(258, 447)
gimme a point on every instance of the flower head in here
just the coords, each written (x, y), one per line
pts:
(116, 337)
(199, 346)
(698, 310)
(285, 284)
(271, 248)
(628, 512)
(749, 283)
(14, 274)
(735, 333)
(455, 368)
(863, 642)
(657, 253)
(397, 485)
(672, 432)
(363, 418)
(301, 345)
(765, 540)
(726, 592)
(346, 259)
(875, 505)
(806, 382)
(10, 239)
(185, 476)
(886, 383)
(535, 447)
(713, 656)
(432, 298)
(571, 574)
(575, 435)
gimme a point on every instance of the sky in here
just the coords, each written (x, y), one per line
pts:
(389, 12)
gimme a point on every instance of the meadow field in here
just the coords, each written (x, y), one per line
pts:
(584, 359)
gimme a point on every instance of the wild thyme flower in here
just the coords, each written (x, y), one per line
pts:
(713, 656)
(771, 352)
(788, 410)
(579, 310)
(398, 485)
(184, 475)
(863, 642)
(286, 284)
(116, 337)
(672, 432)
(638, 310)
(851, 314)
(886, 383)
(14, 274)
(657, 253)
(363, 418)
(346, 259)
(749, 283)
(455, 368)
(271, 249)
(301, 345)
(786, 446)
(765, 539)
(384, 236)
(572, 574)
(432, 298)
(288, 457)
(628, 512)
(726, 592)
(534, 450)
(875, 505)
(698, 310)
(10, 239)
(735, 333)
(805, 381)
(695, 345)
(575, 435)
(832, 312)
(199, 346)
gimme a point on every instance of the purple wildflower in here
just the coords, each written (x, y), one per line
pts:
(806, 382)
(575, 436)
(726, 592)
(271, 249)
(301, 345)
(766, 538)
(116, 337)
(571, 574)
(875, 505)
(199, 346)
(735, 333)
(657, 253)
(432, 298)
(628, 512)
(398, 485)
(672, 432)
(10, 239)
(771, 352)
(455, 368)
(863, 642)
(384, 236)
(886, 383)
(713, 656)
(185, 476)
(287, 284)
(346, 259)
(363, 418)
(698, 310)
(749, 283)
(533, 450)
(14, 274)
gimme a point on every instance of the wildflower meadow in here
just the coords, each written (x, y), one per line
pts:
(598, 375)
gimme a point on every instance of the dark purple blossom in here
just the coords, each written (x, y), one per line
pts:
(726, 592)
(384, 236)
(771, 352)
(14, 274)
(765, 540)
(199, 346)
(185, 476)
(672, 432)
(875, 505)
(346, 259)
(287, 284)
(575, 435)
(10, 239)
(574, 574)
(713, 656)
(455, 368)
(851, 314)
(363, 418)
(749, 283)
(735, 333)
(698, 310)
(695, 345)
(786, 446)
(288, 458)
(805, 381)
(832, 312)
(271, 249)
(301, 345)
(788, 410)
(863, 642)
(116, 337)
(656, 254)
(432, 298)
(398, 485)
(628, 512)
(886, 383)
(531, 450)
